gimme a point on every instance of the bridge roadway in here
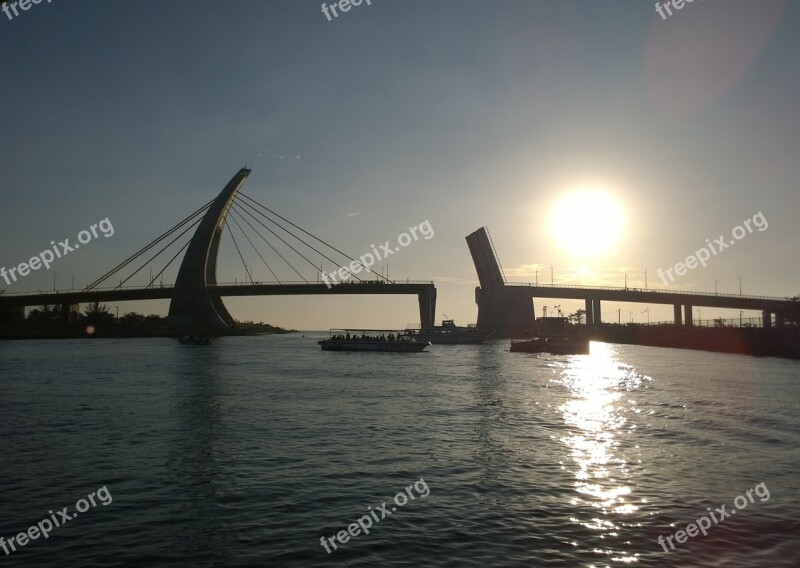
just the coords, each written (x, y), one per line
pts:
(71, 297)
(593, 295)
(425, 292)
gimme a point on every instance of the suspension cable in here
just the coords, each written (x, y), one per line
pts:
(186, 230)
(252, 245)
(284, 242)
(240, 256)
(313, 237)
(147, 247)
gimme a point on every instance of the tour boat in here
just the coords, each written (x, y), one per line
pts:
(385, 340)
(450, 334)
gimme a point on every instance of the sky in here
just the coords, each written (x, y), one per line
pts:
(460, 113)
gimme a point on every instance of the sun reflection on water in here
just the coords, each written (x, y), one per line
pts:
(599, 389)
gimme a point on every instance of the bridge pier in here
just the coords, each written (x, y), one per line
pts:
(506, 311)
(687, 315)
(427, 308)
(589, 312)
(766, 319)
(780, 319)
(676, 308)
(596, 313)
(70, 312)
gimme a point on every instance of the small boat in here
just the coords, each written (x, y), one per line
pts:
(450, 334)
(567, 346)
(372, 340)
(536, 345)
(192, 340)
(552, 345)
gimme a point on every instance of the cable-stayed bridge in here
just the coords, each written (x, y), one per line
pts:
(196, 297)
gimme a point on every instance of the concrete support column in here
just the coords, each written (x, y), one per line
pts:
(677, 311)
(427, 308)
(779, 319)
(766, 318)
(687, 315)
(589, 313)
(70, 312)
(596, 313)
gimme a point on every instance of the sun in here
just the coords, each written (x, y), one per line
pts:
(587, 223)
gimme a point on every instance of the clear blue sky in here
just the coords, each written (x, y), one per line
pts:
(463, 113)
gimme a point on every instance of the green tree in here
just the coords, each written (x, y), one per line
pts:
(97, 312)
(45, 313)
(577, 317)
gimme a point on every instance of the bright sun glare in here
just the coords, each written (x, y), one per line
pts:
(587, 223)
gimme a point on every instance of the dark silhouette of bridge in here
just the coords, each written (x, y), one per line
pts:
(196, 297)
(508, 307)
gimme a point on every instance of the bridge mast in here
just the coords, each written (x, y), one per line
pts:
(192, 304)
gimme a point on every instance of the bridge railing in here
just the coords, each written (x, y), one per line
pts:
(286, 282)
(81, 290)
(236, 283)
(654, 290)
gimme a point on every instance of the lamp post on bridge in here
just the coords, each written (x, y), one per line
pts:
(645, 279)
(551, 275)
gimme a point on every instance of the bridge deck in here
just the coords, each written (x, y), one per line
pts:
(572, 292)
(224, 289)
(650, 296)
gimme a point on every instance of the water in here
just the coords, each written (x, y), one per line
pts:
(247, 452)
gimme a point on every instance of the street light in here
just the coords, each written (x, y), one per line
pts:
(647, 311)
(551, 275)
(645, 280)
